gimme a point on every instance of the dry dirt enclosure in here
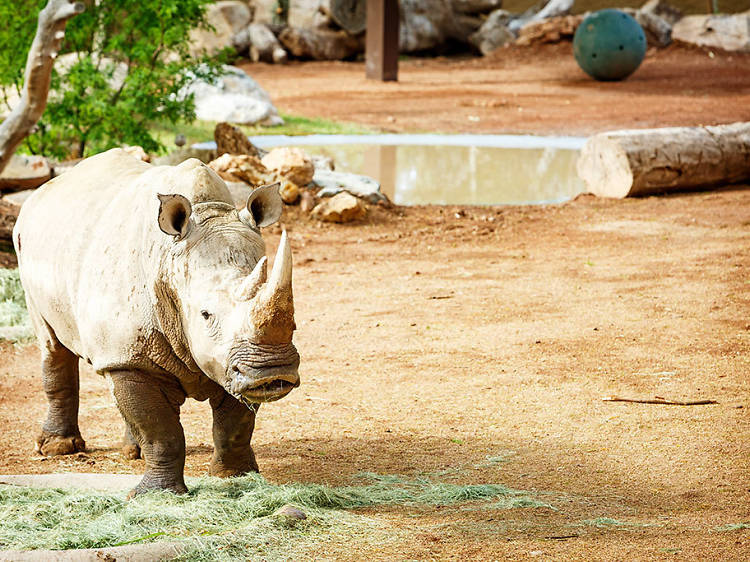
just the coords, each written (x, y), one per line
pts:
(475, 345)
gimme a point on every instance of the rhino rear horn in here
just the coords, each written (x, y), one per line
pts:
(254, 281)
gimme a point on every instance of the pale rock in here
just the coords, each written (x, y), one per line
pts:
(552, 30)
(323, 162)
(137, 152)
(660, 8)
(293, 164)
(320, 43)
(25, 172)
(727, 32)
(235, 98)
(290, 512)
(205, 155)
(340, 208)
(261, 43)
(658, 31)
(333, 183)
(476, 6)
(494, 33)
(309, 13)
(424, 24)
(17, 198)
(231, 140)
(226, 17)
(268, 12)
(289, 192)
(243, 167)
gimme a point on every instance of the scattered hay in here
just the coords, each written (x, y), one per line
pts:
(225, 519)
(733, 527)
(604, 522)
(14, 318)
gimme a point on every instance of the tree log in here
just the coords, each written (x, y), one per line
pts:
(639, 162)
(8, 216)
(49, 34)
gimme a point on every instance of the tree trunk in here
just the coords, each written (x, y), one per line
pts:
(639, 162)
(49, 34)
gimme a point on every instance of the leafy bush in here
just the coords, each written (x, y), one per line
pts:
(122, 66)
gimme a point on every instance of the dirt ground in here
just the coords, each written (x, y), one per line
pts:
(436, 338)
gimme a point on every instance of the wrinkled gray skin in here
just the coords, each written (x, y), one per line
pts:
(151, 275)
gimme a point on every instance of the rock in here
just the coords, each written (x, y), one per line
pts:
(665, 11)
(727, 32)
(307, 202)
(235, 98)
(269, 12)
(349, 15)
(8, 216)
(261, 43)
(306, 14)
(552, 30)
(321, 43)
(226, 17)
(658, 31)
(340, 208)
(321, 162)
(494, 32)
(289, 510)
(289, 192)
(476, 6)
(137, 152)
(205, 155)
(292, 164)
(333, 183)
(551, 9)
(24, 172)
(424, 24)
(231, 140)
(243, 167)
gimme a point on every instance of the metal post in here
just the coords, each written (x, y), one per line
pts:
(381, 50)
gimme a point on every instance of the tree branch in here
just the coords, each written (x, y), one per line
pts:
(50, 32)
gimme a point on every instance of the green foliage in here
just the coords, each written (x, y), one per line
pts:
(124, 65)
(220, 518)
(14, 318)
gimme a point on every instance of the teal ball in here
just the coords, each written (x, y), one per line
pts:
(609, 45)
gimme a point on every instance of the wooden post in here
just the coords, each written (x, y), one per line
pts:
(381, 50)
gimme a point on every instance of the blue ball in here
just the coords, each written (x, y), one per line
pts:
(609, 45)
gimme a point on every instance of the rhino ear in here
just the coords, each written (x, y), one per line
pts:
(174, 215)
(263, 207)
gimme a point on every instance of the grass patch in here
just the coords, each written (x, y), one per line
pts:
(224, 519)
(604, 522)
(14, 318)
(201, 131)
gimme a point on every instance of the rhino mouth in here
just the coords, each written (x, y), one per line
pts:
(270, 389)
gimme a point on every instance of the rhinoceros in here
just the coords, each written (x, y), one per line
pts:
(151, 275)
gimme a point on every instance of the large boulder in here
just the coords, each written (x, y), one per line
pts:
(309, 13)
(230, 139)
(225, 18)
(723, 31)
(241, 167)
(320, 43)
(333, 183)
(658, 30)
(235, 98)
(424, 24)
(660, 8)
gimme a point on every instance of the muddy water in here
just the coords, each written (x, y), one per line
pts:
(453, 169)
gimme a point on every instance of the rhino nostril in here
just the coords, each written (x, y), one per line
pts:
(235, 369)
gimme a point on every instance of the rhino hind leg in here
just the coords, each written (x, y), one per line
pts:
(60, 434)
(232, 430)
(151, 408)
(130, 448)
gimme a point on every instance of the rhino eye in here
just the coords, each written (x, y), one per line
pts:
(206, 314)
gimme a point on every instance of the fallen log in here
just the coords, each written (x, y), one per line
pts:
(8, 216)
(639, 162)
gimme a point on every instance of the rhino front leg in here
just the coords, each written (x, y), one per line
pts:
(151, 408)
(130, 447)
(60, 434)
(232, 430)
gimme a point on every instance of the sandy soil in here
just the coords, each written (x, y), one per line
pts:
(435, 338)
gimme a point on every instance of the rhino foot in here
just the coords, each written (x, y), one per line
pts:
(223, 471)
(152, 483)
(50, 445)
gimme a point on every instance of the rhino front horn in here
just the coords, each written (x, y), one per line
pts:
(273, 313)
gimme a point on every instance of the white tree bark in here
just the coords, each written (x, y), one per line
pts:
(638, 162)
(49, 34)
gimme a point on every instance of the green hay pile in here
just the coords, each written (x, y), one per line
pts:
(14, 318)
(221, 519)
